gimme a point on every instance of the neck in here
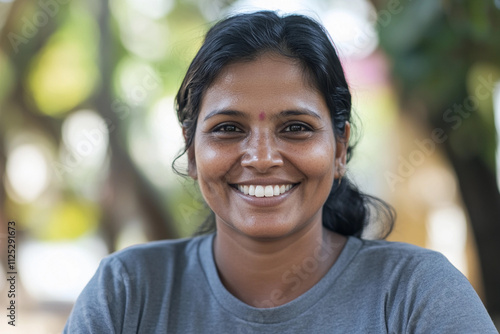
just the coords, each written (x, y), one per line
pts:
(271, 272)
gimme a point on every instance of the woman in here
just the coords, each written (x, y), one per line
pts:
(265, 111)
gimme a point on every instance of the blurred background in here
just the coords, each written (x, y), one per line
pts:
(88, 131)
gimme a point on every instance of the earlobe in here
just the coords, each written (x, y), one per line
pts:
(341, 151)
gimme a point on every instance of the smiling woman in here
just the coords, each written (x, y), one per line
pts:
(292, 148)
(266, 113)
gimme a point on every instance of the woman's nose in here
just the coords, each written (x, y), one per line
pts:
(261, 153)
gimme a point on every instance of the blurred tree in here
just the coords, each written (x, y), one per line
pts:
(25, 39)
(445, 58)
(124, 176)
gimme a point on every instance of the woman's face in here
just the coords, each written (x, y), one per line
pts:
(264, 153)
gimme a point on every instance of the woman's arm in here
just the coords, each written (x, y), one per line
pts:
(101, 307)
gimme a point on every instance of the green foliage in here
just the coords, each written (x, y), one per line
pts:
(187, 207)
(64, 73)
(8, 77)
(441, 50)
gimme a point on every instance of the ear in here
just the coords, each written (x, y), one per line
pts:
(191, 157)
(341, 146)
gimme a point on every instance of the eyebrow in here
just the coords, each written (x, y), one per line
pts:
(297, 112)
(226, 112)
(282, 114)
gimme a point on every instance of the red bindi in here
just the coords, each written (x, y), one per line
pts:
(262, 116)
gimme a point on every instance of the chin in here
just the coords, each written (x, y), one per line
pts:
(265, 230)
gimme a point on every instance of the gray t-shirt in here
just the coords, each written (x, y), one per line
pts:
(374, 287)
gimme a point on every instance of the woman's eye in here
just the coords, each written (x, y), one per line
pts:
(297, 128)
(227, 128)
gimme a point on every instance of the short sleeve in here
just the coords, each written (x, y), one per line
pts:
(439, 299)
(101, 306)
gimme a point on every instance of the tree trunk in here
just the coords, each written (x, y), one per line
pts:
(481, 197)
(125, 183)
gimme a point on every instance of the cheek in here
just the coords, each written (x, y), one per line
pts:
(317, 161)
(211, 162)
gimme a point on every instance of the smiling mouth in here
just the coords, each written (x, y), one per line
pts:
(264, 190)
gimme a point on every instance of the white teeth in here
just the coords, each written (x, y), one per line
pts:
(269, 192)
(265, 191)
(276, 190)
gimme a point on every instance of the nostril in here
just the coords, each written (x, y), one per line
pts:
(270, 158)
(261, 153)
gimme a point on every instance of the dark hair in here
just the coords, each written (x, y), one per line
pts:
(243, 38)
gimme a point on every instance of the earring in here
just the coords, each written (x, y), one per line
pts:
(342, 173)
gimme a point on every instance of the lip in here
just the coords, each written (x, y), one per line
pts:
(264, 201)
(263, 182)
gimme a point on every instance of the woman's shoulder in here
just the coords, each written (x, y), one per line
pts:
(390, 257)
(151, 254)
(421, 290)
(396, 250)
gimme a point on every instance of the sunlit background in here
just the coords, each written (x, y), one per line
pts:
(88, 131)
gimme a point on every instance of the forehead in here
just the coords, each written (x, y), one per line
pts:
(272, 63)
(269, 83)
